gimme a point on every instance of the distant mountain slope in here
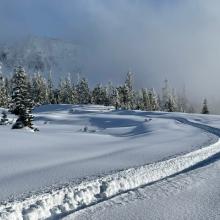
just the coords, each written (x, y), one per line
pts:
(41, 54)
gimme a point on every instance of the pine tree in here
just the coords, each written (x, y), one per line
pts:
(50, 89)
(83, 92)
(115, 99)
(128, 91)
(138, 100)
(3, 93)
(39, 90)
(170, 106)
(123, 96)
(145, 100)
(21, 100)
(153, 100)
(205, 109)
(165, 96)
(99, 95)
(182, 102)
(168, 102)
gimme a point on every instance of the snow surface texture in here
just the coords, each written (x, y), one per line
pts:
(69, 198)
(192, 195)
(62, 152)
(114, 140)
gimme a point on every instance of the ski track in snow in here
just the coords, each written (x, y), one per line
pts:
(192, 195)
(58, 203)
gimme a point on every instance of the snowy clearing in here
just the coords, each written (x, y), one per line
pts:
(84, 154)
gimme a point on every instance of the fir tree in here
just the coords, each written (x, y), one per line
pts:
(3, 93)
(165, 96)
(145, 100)
(138, 101)
(99, 95)
(83, 92)
(39, 90)
(50, 88)
(182, 102)
(128, 91)
(170, 106)
(21, 100)
(3, 90)
(115, 99)
(168, 101)
(154, 100)
(205, 109)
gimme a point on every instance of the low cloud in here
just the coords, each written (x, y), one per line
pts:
(177, 40)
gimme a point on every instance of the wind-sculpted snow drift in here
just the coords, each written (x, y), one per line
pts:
(67, 199)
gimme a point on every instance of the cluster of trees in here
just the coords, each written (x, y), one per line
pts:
(21, 92)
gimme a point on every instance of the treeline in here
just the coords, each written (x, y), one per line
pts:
(42, 90)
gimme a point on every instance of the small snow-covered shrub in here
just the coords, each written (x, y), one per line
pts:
(85, 129)
(4, 120)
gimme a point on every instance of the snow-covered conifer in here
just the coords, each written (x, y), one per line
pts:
(128, 91)
(205, 109)
(83, 92)
(39, 90)
(50, 89)
(67, 92)
(3, 91)
(21, 101)
(153, 100)
(99, 95)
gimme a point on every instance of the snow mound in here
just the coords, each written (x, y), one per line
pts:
(59, 202)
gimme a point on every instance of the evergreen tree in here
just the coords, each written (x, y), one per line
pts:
(182, 102)
(123, 96)
(170, 106)
(145, 100)
(67, 92)
(3, 93)
(165, 96)
(39, 90)
(168, 102)
(21, 100)
(115, 99)
(153, 100)
(83, 92)
(138, 100)
(99, 95)
(205, 109)
(128, 91)
(50, 89)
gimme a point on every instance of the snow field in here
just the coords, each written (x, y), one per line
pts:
(71, 198)
(63, 153)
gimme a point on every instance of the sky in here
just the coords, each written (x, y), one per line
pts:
(156, 39)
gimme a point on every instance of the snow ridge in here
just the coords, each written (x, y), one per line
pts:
(71, 198)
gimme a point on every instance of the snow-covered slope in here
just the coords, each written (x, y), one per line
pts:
(41, 54)
(86, 154)
(191, 195)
